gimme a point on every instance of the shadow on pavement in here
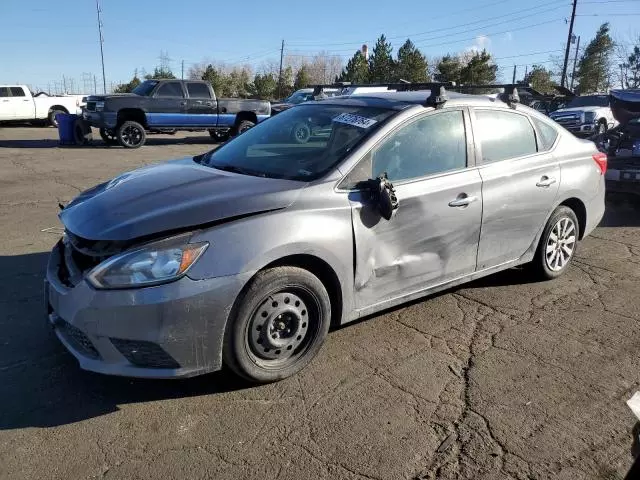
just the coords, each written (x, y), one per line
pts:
(53, 143)
(42, 384)
(622, 210)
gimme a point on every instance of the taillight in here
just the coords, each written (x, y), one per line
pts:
(601, 159)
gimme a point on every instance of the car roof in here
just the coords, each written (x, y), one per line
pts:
(402, 100)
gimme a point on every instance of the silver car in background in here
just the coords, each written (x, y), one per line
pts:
(245, 256)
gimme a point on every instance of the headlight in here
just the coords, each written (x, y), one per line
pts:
(589, 117)
(99, 106)
(156, 263)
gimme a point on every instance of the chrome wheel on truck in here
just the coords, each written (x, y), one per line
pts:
(278, 325)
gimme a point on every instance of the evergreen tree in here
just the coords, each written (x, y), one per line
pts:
(217, 79)
(128, 87)
(285, 84)
(381, 64)
(303, 78)
(411, 64)
(633, 69)
(595, 64)
(479, 69)
(449, 69)
(264, 86)
(160, 72)
(540, 79)
(357, 70)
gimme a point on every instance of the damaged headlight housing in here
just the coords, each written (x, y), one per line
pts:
(153, 264)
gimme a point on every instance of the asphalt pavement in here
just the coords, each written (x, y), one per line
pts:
(501, 379)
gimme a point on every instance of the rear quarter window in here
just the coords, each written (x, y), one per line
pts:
(546, 134)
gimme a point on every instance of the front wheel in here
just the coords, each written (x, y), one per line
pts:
(108, 136)
(278, 325)
(558, 244)
(131, 134)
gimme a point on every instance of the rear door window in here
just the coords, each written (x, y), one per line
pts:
(5, 92)
(17, 92)
(503, 135)
(198, 90)
(170, 89)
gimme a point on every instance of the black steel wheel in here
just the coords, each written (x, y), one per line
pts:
(131, 134)
(278, 326)
(243, 126)
(108, 136)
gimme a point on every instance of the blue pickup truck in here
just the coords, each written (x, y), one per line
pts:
(163, 105)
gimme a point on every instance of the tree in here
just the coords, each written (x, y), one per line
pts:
(217, 79)
(285, 83)
(632, 77)
(302, 78)
(238, 82)
(381, 64)
(160, 72)
(449, 69)
(128, 87)
(411, 64)
(357, 70)
(540, 79)
(594, 68)
(264, 86)
(479, 69)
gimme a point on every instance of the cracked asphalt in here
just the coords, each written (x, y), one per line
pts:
(500, 379)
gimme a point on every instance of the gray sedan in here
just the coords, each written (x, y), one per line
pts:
(245, 256)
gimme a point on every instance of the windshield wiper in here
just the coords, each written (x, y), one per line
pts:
(240, 170)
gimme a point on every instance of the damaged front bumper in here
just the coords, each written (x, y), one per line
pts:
(165, 331)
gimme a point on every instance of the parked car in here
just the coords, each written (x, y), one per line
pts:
(18, 104)
(300, 96)
(170, 105)
(622, 143)
(246, 255)
(586, 115)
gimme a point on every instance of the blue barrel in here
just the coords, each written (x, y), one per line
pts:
(66, 124)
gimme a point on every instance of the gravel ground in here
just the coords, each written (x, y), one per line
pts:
(501, 379)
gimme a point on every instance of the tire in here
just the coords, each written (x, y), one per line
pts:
(131, 134)
(243, 126)
(552, 258)
(301, 133)
(52, 117)
(218, 137)
(82, 133)
(108, 136)
(277, 325)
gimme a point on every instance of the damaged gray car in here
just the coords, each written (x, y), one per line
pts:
(244, 257)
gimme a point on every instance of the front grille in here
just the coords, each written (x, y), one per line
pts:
(78, 340)
(91, 106)
(144, 354)
(568, 120)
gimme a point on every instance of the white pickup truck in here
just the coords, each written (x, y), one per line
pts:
(18, 104)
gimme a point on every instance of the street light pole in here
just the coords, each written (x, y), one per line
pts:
(101, 39)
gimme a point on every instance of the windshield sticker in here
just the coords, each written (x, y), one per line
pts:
(355, 120)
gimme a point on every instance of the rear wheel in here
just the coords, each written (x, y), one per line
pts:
(243, 126)
(558, 244)
(279, 325)
(52, 117)
(108, 136)
(131, 134)
(301, 133)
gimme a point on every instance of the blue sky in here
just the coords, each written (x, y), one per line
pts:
(44, 40)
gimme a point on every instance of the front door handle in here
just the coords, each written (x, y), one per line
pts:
(463, 200)
(546, 182)
(26, 100)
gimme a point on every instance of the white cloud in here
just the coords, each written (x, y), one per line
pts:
(482, 42)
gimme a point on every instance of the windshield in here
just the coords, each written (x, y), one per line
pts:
(299, 97)
(145, 88)
(302, 143)
(589, 101)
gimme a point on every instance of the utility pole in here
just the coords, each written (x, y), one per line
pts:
(566, 52)
(64, 84)
(182, 69)
(95, 84)
(280, 74)
(575, 62)
(101, 39)
(514, 75)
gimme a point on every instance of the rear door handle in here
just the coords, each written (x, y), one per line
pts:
(546, 182)
(463, 200)
(26, 100)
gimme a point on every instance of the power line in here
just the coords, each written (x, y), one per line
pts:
(608, 15)
(453, 27)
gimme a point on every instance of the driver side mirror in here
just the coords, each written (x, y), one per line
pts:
(383, 195)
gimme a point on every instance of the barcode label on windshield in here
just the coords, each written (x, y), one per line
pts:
(355, 120)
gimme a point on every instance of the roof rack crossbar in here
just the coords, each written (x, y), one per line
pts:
(510, 91)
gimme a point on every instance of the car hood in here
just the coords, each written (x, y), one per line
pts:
(171, 196)
(576, 110)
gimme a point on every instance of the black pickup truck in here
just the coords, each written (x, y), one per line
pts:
(163, 105)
